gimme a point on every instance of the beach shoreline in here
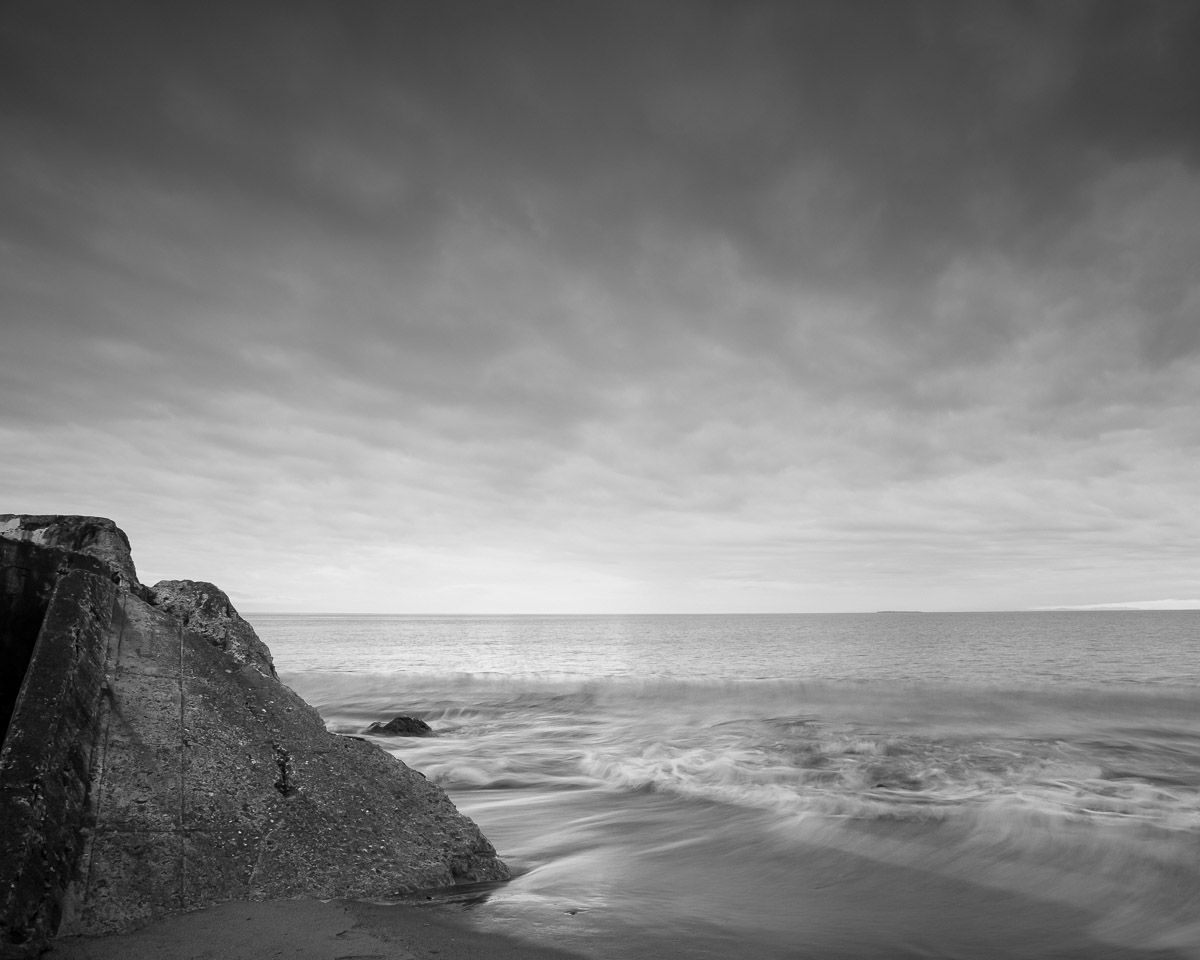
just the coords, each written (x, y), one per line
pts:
(839, 905)
(307, 930)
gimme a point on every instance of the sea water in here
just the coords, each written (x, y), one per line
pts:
(1011, 785)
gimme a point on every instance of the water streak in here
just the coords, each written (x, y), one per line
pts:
(797, 813)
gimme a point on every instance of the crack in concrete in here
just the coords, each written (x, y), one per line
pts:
(283, 760)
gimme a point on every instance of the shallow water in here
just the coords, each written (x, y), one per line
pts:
(907, 786)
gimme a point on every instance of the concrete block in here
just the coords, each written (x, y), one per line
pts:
(140, 788)
(149, 639)
(150, 767)
(133, 877)
(145, 708)
(218, 865)
(230, 784)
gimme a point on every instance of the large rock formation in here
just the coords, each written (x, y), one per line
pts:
(153, 763)
(95, 537)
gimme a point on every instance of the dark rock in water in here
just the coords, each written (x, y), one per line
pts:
(401, 727)
(154, 765)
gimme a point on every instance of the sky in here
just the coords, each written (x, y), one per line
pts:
(610, 307)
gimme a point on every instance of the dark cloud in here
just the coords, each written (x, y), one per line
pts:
(906, 117)
(647, 295)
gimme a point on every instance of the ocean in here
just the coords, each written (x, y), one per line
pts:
(892, 785)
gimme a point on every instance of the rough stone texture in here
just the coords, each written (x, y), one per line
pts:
(401, 727)
(27, 577)
(205, 609)
(48, 756)
(149, 771)
(95, 537)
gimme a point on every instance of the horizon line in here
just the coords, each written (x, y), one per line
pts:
(1089, 608)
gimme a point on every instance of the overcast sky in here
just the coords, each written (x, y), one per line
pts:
(610, 307)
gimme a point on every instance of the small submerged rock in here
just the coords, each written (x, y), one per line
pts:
(401, 727)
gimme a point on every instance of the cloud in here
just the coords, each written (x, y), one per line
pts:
(1137, 605)
(692, 306)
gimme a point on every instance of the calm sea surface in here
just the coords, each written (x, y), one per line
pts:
(819, 786)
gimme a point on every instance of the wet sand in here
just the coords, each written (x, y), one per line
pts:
(307, 930)
(706, 889)
(977, 923)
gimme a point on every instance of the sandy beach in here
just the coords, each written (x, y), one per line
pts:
(306, 930)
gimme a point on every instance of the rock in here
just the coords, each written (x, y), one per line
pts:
(143, 777)
(52, 668)
(205, 610)
(30, 573)
(401, 727)
(95, 537)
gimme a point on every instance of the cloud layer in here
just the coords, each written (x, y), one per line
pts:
(611, 307)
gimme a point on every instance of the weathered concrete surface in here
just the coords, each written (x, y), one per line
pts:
(204, 609)
(95, 537)
(189, 776)
(48, 754)
(27, 578)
